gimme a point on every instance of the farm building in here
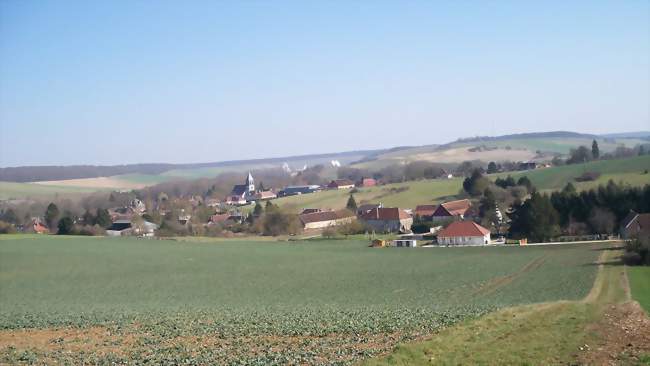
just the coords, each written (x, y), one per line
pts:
(366, 182)
(341, 184)
(457, 210)
(425, 211)
(464, 233)
(388, 219)
(367, 207)
(126, 228)
(310, 210)
(319, 220)
(296, 190)
(635, 225)
(378, 243)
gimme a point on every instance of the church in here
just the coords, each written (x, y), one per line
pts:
(242, 193)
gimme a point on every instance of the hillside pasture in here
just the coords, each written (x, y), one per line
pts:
(513, 149)
(92, 300)
(630, 171)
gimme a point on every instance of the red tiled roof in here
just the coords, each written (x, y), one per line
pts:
(456, 208)
(463, 228)
(325, 216)
(385, 213)
(425, 210)
(219, 218)
(40, 228)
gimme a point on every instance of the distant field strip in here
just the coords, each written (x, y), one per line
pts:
(319, 302)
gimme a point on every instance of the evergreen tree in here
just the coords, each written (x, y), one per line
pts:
(352, 204)
(258, 210)
(569, 189)
(476, 183)
(88, 218)
(52, 215)
(103, 218)
(492, 168)
(595, 152)
(524, 181)
(536, 219)
(65, 226)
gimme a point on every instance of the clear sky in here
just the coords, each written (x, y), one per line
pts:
(111, 82)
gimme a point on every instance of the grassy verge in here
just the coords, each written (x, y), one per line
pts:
(640, 285)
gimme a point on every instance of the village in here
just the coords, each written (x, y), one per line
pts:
(448, 224)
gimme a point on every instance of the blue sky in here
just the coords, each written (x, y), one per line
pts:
(112, 82)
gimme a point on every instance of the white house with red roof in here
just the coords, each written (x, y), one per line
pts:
(464, 233)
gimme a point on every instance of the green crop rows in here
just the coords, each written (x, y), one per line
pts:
(319, 302)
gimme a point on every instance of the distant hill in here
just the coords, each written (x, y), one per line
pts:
(638, 135)
(57, 173)
(515, 147)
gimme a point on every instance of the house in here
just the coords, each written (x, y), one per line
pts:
(425, 212)
(242, 193)
(366, 207)
(464, 233)
(323, 219)
(635, 225)
(296, 190)
(341, 184)
(37, 227)
(137, 206)
(456, 210)
(218, 218)
(366, 182)
(265, 195)
(127, 228)
(388, 219)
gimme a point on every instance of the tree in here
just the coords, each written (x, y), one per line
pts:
(579, 155)
(88, 218)
(65, 226)
(602, 221)
(569, 189)
(52, 215)
(524, 181)
(352, 204)
(103, 218)
(535, 219)
(258, 210)
(641, 150)
(488, 203)
(9, 216)
(595, 152)
(492, 168)
(476, 183)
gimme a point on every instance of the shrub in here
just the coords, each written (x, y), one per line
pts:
(588, 177)
(637, 252)
(6, 228)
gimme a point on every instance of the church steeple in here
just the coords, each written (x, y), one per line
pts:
(250, 183)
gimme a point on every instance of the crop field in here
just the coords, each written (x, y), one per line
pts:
(100, 300)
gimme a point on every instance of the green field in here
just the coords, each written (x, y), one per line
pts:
(630, 170)
(11, 190)
(640, 285)
(318, 302)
